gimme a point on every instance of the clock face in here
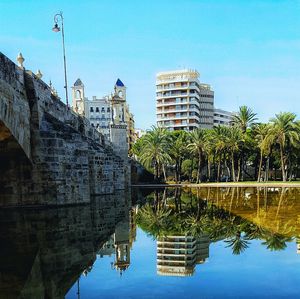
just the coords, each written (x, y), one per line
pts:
(120, 94)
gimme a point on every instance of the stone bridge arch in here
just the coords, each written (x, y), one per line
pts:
(14, 106)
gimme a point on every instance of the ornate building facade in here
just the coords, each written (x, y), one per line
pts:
(110, 114)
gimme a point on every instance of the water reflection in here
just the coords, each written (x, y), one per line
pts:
(120, 242)
(56, 252)
(235, 215)
(178, 255)
(44, 252)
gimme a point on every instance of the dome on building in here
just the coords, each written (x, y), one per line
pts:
(119, 83)
(78, 82)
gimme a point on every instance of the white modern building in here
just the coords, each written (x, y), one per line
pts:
(182, 102)
(222, 117)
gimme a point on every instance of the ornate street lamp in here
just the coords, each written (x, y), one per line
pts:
(56, 28)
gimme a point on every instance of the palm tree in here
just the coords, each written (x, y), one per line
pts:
(154, 151)
(285, 132)
(197, 146)
(233, 140)
(218, 139)
(264, 141)
(244, 118)
(178, 150)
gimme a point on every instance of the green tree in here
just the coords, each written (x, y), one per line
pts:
(178, 150)
(285, 131)
(244, 118)
(154, 150)
(264, 142)
(233, 141)
(197, 147)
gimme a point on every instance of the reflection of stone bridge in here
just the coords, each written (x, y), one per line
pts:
(47, 149)
(43, 252)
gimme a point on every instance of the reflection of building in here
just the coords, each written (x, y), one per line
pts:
(178, 255)
(120, 243)
(108, 248)
(122, 249)
(182, 102)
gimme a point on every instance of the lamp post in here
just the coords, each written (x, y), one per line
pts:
(56, 28)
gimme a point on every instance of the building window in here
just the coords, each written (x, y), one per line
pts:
(97, 109)
(78, 94)
(108, 109)
(91, 109)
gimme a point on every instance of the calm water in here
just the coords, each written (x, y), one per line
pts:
(172, 243)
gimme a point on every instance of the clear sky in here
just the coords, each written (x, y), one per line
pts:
(249, 51)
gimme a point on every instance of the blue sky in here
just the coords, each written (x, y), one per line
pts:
(249, 51)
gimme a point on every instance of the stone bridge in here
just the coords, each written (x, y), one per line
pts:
(48, 154)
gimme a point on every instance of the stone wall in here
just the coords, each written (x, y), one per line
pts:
(46, 149)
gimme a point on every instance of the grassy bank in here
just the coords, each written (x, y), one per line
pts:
(225, 184)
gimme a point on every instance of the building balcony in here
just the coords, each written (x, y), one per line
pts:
(176, 239)
(173, 95)
(173, 263)
(171, 254)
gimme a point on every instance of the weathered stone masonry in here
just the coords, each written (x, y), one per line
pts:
(45, 149)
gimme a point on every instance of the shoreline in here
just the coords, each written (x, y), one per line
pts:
(223, 184)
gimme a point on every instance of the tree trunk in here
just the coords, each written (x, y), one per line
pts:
(282, 164)
(232, 164)
(164, 172)
(179, 170)
(219, 170)
(228, 170)
(155, 171)
(260, 165)
(239, 169)
(199, 168)
(267, 169)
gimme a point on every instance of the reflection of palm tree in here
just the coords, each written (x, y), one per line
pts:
(238, 243)
(282, 193)
(275, 241)
(154, 222)
(254, 231)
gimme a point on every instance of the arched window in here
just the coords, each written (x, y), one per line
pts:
(78, 94)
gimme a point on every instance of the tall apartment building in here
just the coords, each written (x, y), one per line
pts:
(222, 117)
(182, 102)
(178, 255)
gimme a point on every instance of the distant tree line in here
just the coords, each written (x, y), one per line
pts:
(246, 150)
